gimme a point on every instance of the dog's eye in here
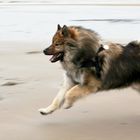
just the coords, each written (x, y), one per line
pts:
(71, 44)
(57, 44)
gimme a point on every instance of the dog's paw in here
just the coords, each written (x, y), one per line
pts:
(44, 111)
(67, 105)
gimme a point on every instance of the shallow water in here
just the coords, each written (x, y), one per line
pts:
(38, 22)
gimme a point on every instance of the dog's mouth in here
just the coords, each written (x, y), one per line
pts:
(56, 57)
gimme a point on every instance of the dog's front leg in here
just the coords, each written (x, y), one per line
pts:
(59, 99)
(77, 92)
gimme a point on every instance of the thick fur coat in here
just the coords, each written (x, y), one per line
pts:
(88, 68)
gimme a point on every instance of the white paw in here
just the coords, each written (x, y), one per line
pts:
(45, 111)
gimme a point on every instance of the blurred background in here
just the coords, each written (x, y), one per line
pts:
(37, 19)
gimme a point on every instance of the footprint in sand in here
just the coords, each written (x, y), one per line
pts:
(34, 52)
(10, 83)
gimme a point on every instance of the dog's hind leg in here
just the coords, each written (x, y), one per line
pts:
(59, 99)
(77, 92)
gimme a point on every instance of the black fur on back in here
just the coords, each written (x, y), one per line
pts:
(125, 69)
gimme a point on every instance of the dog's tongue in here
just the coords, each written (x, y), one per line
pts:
(52, 59)
(55, 57)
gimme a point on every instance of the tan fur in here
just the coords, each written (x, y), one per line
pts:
(90, 85)
(74, 33)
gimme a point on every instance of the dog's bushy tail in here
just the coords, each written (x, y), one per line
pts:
(135, 43)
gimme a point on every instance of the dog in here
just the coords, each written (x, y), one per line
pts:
(90, 66)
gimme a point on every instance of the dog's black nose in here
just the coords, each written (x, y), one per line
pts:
(44, 51)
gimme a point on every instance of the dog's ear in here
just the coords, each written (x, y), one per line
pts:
(58, 27)
(65, 31)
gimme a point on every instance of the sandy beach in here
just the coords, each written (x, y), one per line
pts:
(28, 81)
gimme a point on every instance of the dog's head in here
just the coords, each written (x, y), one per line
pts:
(57, 48)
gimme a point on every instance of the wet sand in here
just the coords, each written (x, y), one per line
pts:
(29, 81)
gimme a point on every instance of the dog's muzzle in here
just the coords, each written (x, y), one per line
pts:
(55, 56)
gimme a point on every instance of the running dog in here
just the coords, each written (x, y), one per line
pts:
(89, 65)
